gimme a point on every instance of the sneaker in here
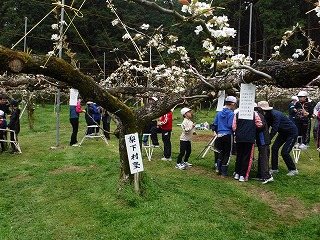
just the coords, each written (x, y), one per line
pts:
(273, 171)
(292, 172)
(318, 149)
(75, 145)
(166, 159)
(187, 164)
(303, 146)
(236, 176)
(155, 146)
(264, 181)
(242, 179)
(180, 166)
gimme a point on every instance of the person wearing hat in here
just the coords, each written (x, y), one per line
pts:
(304, 111)
(287, 136)
(3, 126)
(292, 110)
(222, 126)
(14, 124)
(245, 133)
(185, 139)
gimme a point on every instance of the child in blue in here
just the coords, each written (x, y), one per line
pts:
(222, 125)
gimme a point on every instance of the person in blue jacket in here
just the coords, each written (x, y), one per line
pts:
(222, 126)
(287, 136)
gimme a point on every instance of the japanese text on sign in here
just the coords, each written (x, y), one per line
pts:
(134, 153)
(247, 98)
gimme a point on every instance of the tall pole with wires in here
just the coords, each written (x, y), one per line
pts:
(25, 34)
(250, 30)
(60, 56)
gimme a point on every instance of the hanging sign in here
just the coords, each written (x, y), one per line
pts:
(73, 97)
(221, 98)
(247, 98)
(134, 153)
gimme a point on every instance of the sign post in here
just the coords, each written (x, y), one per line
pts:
(134, 157)
(221, 98)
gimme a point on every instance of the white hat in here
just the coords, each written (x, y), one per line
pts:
(1, 113)
(302, 94)
(231, 99)
(185, 110)
(264, 105)
(89, 103)
(294, 98)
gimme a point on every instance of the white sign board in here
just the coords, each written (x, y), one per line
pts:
(247, 98)
(134, 153)
(221, 98)
(73, 97)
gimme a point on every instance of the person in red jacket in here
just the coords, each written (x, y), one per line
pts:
(164, 126)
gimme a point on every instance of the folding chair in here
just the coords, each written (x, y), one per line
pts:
(93, 135)
(15, 141)
(148, 147)
(210, 145)
(296, 151)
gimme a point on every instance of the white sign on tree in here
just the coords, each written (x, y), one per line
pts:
(73, 97)
(247, 98)
(134, 153)
(221, 98)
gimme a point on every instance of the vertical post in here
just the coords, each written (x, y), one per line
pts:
(250, 30)
(25, 34)
(104, 66)
(239, 28)
(58, 90)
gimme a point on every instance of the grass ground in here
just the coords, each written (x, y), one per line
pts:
(71, 192)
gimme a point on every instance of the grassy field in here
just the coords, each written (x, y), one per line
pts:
(71, 192)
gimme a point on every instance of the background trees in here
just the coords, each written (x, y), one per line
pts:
(269, 23)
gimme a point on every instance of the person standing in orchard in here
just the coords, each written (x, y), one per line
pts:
(287, 136)
(222, 126)
(304, 110)
(185, 139)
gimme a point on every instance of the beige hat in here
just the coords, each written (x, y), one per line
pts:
(264, 105)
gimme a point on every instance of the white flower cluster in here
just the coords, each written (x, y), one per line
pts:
(297, 54)
(181, 51)
(115, 22)
(173, 78)
(145, 26)
(197, 8)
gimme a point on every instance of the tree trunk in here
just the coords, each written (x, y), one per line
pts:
(125, 175)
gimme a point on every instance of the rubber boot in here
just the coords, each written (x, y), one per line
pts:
(218, 169)
(224, 171)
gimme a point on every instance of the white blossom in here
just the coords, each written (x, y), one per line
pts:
(55, 37)
(115, 22)
(145, 26)
(126, 36)
(295, 55)
(55, 26)
(276, 48)
(198, 29)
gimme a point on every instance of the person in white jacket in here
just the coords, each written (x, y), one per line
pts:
(185, 139)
